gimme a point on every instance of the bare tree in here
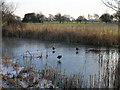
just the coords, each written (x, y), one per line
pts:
(114, 4)
(7, 11)
(51, 17)
(90, 17)
(72, 19)
(67, 18)
(8, 17)
(80, 19)
(96, 16)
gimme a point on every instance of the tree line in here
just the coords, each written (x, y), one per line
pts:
(8, 17)
(40, 18)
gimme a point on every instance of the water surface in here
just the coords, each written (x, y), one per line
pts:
(87, 63)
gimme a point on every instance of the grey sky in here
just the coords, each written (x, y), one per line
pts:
(73, 8)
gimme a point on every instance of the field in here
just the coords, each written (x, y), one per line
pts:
(88, 34)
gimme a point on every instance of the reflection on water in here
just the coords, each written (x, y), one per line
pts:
(86, 60)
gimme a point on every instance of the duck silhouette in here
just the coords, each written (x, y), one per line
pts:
(53, 48)
(53, 51)
(77, 49)
(59, 57)
(77, 52)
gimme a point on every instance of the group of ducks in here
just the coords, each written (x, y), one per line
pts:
(60, 56)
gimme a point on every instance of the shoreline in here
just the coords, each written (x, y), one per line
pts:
(66, 43)
(13, 76)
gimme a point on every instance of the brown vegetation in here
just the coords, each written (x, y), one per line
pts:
(92, 34)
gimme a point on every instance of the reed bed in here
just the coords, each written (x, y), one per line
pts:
(93, 33)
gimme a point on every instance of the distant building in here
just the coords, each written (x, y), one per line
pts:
(97, 20)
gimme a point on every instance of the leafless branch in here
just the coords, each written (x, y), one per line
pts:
(113, 4)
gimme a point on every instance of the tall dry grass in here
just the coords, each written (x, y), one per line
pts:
(93, 33)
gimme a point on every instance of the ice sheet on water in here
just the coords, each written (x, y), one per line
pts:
(10, 69)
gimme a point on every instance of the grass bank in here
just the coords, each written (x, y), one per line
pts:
(88, 34)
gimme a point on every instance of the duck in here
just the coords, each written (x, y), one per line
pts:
(53, 48)
(77, 49)
(59, 57)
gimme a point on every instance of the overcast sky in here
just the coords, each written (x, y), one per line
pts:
(73, 8)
